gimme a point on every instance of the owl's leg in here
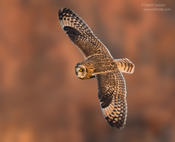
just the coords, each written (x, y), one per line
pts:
(125, 65)
(93, 76)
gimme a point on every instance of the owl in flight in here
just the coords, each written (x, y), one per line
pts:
(99, 64)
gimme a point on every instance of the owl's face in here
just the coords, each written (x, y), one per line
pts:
(83, 72)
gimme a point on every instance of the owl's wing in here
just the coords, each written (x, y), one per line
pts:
(112, 96)
(80, 33)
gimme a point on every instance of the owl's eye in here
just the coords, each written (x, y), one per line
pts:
(81, 69)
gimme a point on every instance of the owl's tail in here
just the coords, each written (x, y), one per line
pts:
(125, 65)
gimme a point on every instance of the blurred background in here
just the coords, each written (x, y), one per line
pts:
(41, 100)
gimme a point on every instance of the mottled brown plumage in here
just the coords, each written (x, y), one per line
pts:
(100, 64)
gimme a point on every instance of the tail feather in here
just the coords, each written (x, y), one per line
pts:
(125, 65)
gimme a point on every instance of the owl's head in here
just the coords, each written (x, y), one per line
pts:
(83, 72)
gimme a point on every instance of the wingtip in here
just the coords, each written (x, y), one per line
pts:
(60, 12)
(63, 11)
(119, 125)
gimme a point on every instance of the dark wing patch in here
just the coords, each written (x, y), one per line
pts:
(112, 96)
(105, 100)
(72, 32)
(80, 33)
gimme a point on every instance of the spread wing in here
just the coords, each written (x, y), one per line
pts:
(112, 96)
(80, 33)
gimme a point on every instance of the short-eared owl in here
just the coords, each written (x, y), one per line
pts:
(100, 64)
